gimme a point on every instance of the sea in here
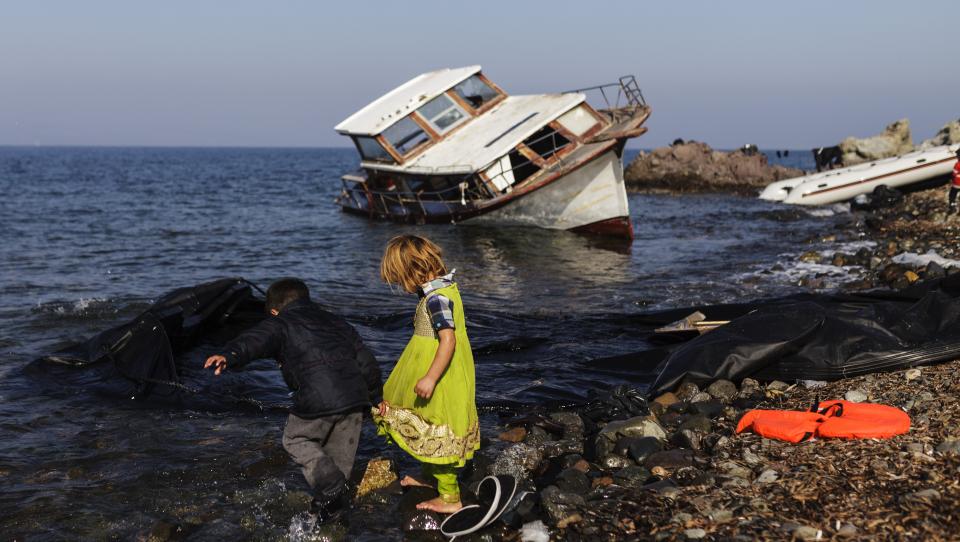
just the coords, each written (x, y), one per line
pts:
(92, 236)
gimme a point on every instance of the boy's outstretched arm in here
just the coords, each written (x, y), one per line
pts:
(441, 360)
(260, 341)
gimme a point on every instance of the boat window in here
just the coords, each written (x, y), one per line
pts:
(521, 166)
(371, 149)
(442, 113)
(475, 92)
(578, 120)
(546, 142)
(405, 135)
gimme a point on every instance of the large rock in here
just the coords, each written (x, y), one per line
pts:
(893, 141)
(695, 167)
(518, 461)
(633, 427)
(948, 135)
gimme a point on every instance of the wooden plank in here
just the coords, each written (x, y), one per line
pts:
(389, 148)
(461, 102)
(531, 155)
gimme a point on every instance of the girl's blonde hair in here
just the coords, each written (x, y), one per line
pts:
(411, 260)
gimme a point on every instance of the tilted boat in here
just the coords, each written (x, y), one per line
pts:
(451, 146)
(847, 183)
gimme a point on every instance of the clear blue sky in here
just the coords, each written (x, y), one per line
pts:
(780, 74)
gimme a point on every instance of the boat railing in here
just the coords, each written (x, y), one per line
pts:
(624, 93)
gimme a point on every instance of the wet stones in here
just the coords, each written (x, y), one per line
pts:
(519, 460)
(633, 427)
(557, 448)
(516, 434)
(560, 505)
(614, 462)
(413, 519)
(667, 399)
(669, 459)
(573, 480)
(708, 409)
(700, 397)
(723, 390)
(686, 391)
(573, 426)
(697, 423)
(632, 476)
(639, 448)
(686, 438)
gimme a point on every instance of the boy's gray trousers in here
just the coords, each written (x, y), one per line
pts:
(324, 448)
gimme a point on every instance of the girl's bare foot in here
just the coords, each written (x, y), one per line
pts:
(440, 506)
(410, 481)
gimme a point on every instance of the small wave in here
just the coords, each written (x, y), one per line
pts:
(848, 247)
(918, 260)
(794, 272)
(832, 210)
(82, 308)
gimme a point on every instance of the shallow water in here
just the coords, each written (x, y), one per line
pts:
(92, 235)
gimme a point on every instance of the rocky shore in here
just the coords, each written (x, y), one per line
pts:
(695, 167)
(676, 470)
(913, 239)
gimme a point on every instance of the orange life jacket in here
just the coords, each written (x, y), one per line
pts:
(827, 419)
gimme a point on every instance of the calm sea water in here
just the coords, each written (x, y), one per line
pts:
(90, 236)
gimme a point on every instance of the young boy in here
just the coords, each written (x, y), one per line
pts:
(333, 376)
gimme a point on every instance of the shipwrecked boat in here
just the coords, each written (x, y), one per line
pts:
(451, 146)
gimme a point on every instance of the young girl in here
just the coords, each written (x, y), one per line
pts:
(429, 408)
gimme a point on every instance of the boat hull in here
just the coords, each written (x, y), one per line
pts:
(589, 199)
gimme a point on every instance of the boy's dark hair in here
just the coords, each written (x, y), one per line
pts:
(284, 291)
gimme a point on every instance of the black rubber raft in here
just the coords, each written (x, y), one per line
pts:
(799, 337)
(803, 337)
(142, 353)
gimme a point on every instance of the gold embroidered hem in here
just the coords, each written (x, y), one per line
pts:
(426, 442)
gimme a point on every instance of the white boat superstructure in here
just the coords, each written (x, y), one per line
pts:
(844, 184)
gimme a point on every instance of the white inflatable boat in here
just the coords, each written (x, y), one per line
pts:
(847, 183)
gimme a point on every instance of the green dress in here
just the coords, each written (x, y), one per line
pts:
(444, 429)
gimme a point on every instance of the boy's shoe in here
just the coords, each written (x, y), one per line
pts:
(330, 506)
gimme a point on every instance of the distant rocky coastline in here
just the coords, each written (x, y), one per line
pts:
(693, 166)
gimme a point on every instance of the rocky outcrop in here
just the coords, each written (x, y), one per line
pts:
(893, 141)
(695, 167)
(948, 135)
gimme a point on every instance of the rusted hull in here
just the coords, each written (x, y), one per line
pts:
(613, 227)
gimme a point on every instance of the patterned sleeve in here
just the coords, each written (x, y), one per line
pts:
(441, 312)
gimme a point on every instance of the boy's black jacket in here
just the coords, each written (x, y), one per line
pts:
(323, 359)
